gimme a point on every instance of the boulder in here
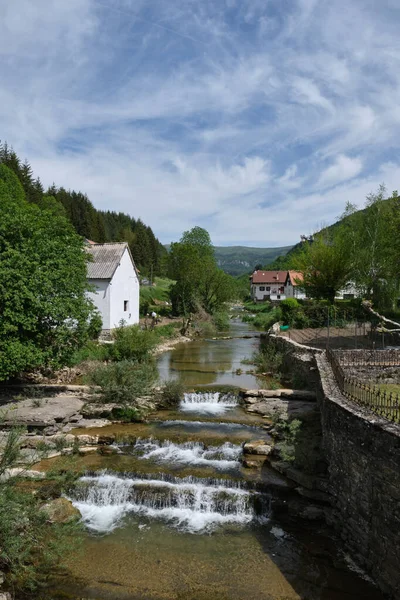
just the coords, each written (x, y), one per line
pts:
(61, 510)
(49, 411)
(5, 596)
(251, 464)
(259, 447)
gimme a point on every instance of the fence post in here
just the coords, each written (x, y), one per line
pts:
(327, 341)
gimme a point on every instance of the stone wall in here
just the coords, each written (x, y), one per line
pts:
(363, 454)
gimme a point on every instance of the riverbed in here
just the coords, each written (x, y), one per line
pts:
(172, 514)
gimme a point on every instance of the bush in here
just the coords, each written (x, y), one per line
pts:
(172, 392)
(95, 325)
(168, 331)
(221, 320)
(91, 351)
(122, 382)
(132, 343)
(268, 360)
(266, 320)
(31, 548)
(127, 414)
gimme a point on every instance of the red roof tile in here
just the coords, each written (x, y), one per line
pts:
(269, 277)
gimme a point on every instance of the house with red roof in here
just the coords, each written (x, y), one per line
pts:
(293, 288)
(268, 285)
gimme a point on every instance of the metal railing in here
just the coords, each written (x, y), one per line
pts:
(382, 402)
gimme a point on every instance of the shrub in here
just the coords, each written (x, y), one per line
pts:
(31, 548)
(95, 325)
(132, 343)
(221, 320)
(172, 392)
(289, 431)
(168, 331)
(266, 320)
(268, 360)
(91, 351)
(127, 414)
(123, 381)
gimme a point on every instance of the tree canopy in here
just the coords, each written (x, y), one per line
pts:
(43, 304)
(199, 281)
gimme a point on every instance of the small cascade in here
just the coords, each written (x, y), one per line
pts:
(224, 457)
(208, 403)
(194, 505)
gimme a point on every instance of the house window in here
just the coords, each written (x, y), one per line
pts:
(278, 297)
(126, 305)
(262, 288)
(268, 289)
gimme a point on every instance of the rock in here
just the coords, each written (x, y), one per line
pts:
(61, 510)
(106, 440)
(259, 447)
(284, 408)
(313, 513)
(2, 577)
(251, 464)
(5, 596)
(280, 393)
(53, 410)
(251, 400)
(21, 472)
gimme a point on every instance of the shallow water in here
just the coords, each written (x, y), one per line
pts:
(173, 514)
(206, 362)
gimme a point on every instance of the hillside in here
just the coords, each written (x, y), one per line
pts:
(237, 260)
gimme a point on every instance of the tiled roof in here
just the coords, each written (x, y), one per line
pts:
(105, 259)
(295, 277)
(269, 277)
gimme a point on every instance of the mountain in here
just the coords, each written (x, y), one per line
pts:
(237, 260)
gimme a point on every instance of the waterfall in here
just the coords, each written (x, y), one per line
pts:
(223, 457)
(191, 504)
(208, 403)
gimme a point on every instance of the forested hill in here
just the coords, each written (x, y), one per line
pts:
(237, 260)
(97, 225)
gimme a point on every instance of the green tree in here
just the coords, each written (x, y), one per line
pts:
(326, 264)
(199, 282)
(373, 236)
(43, 305)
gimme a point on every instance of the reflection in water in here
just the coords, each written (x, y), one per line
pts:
(213, 362)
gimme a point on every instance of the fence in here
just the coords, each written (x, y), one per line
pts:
(380, 401)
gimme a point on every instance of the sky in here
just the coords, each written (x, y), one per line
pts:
(255, 119)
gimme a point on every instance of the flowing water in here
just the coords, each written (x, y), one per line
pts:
(172, 514)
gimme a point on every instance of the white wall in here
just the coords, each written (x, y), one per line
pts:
(101, 299)
(267, 291)
(293, 291)
(124, 286)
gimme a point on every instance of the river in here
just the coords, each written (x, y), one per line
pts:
(173, 515)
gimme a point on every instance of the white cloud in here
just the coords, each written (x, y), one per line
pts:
(343, 169)
(254, 119)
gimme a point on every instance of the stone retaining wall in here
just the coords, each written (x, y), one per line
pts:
(363, 454)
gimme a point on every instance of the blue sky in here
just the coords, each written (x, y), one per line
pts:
(256, 119)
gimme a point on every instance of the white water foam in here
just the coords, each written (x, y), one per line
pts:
(224, 457)
(208, 403)
(105, 499)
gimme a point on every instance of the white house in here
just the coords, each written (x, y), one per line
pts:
(293, 287)
(268, 285)
(114, 276)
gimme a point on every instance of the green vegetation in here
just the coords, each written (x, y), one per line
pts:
(154, 297)
(43, 284)
(87, 221)
(200, 284)
(288, 431)
(31, 548)
(132, 343)
(268, 360)
(236, 260)
(123, 382)
(171, 392)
